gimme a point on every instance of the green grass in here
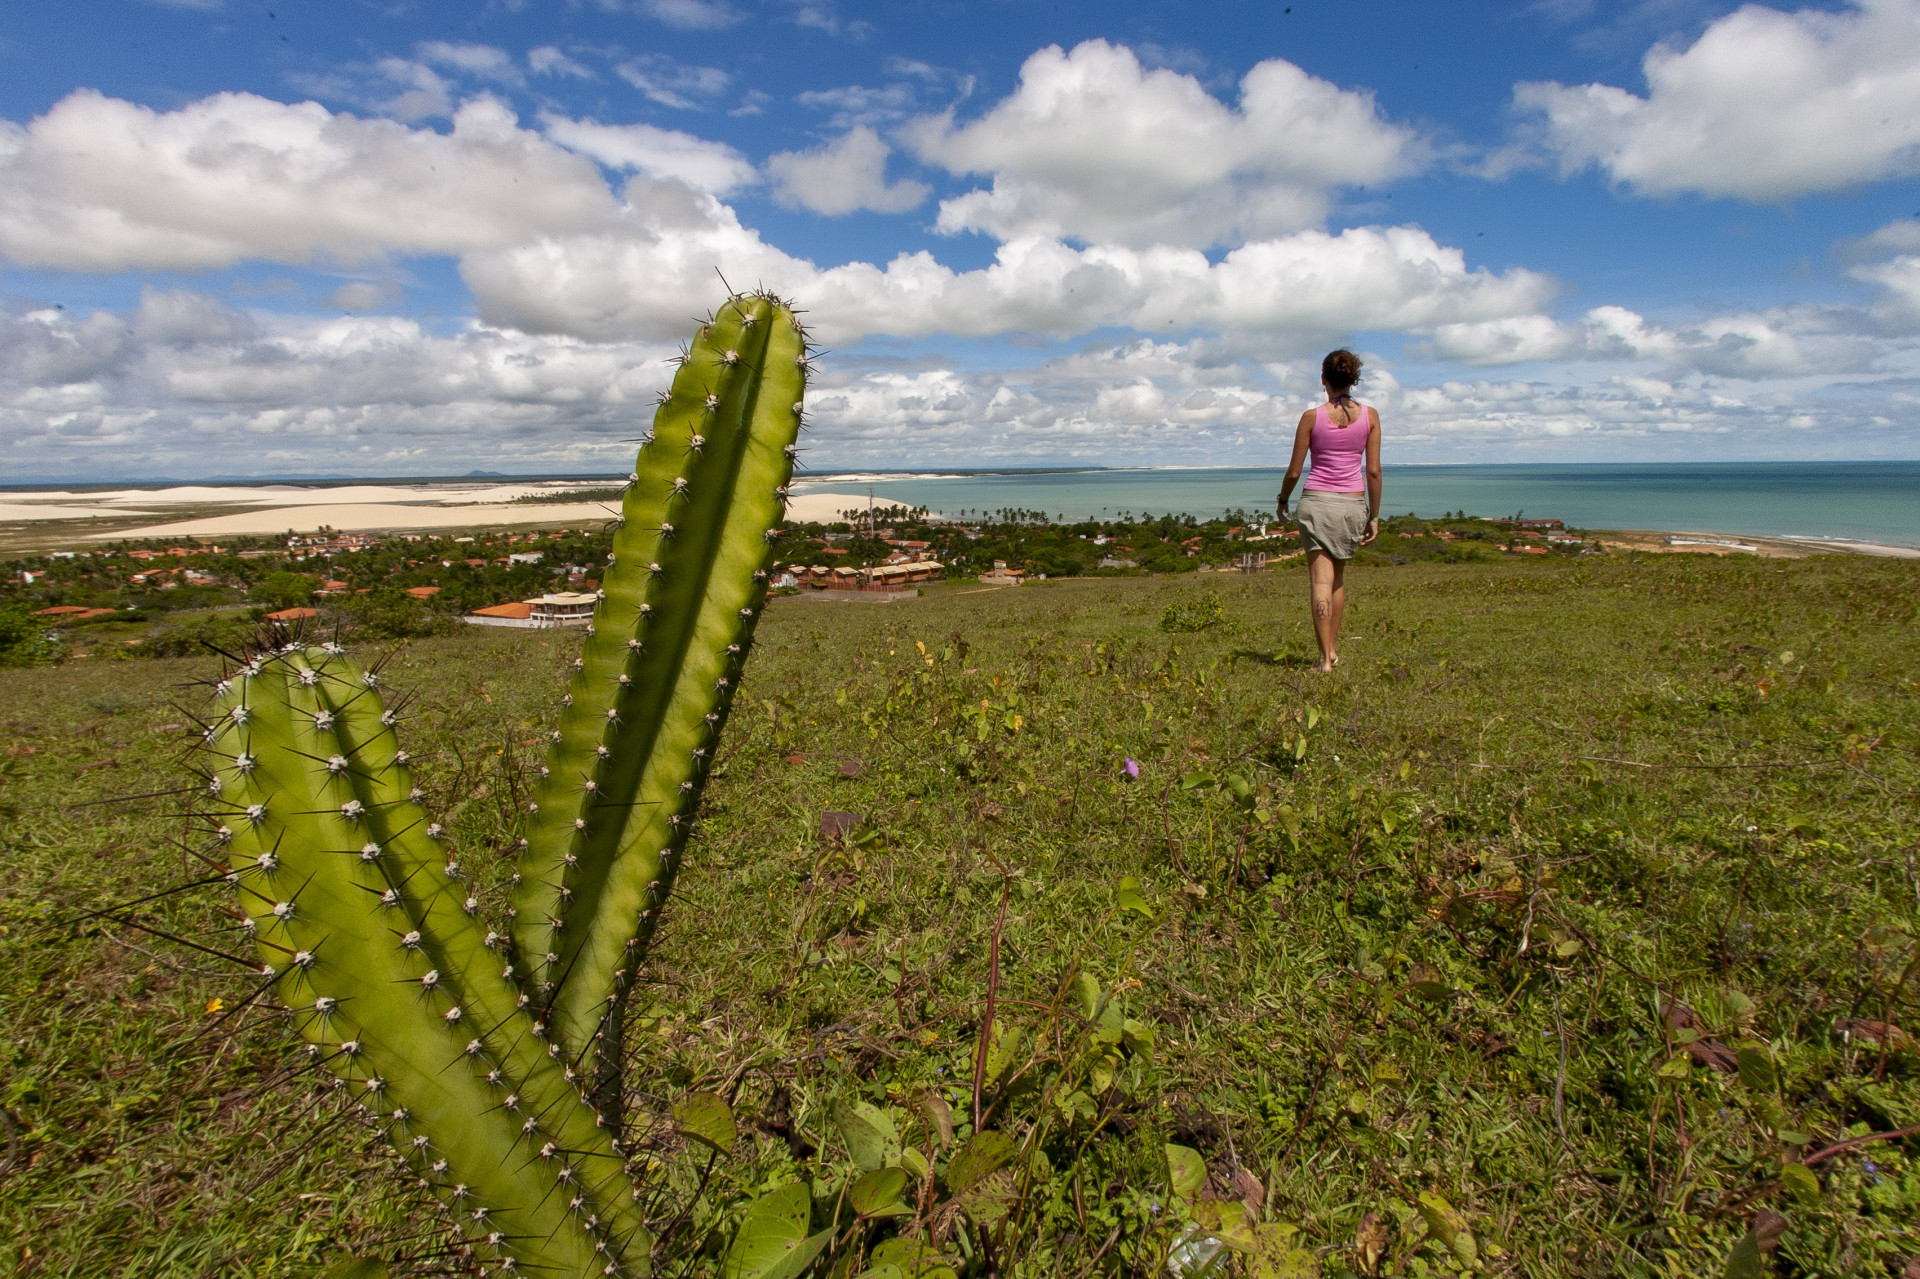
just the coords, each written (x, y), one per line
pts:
(1436, 944)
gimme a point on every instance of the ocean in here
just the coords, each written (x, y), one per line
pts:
(1846, 501)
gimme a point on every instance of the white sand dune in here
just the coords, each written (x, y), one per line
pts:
(10, 511)
(305, 495)
(366, 517)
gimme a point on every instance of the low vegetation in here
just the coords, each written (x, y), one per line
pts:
(1571, 928)
(132, 600)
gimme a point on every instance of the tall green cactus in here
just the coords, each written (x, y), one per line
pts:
(682, 592)
(475, 1051)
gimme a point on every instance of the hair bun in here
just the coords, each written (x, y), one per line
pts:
(1341, 369)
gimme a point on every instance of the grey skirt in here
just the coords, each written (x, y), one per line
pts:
(1332, 522)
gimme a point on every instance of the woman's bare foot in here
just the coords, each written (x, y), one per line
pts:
(1325, 667)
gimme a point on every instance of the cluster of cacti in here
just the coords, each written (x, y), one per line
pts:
(492, 1061)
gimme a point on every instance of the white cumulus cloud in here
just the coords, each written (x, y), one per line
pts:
(1782, 343)
(547, 60)
(640, 280)
(482, 60)
(1764, 106)
(100, 184)
(844, 176)
(1094, 147)
(679, 85)
(660, 153)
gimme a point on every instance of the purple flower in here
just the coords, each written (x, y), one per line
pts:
(1133, 768)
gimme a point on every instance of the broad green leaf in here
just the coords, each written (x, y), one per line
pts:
(916, 1163)
(882, 1272)
(877, 1194)
(1086, 989)
(1109, 1028)
(1756, 1068)
(773, 1241)
(1274, 1256)
(1678, 1066)
(1449, 1227)
(1003, 1049)
(1039, 1167)
(1745, 1261)
(939, 1115)
(1313, 717)
(914, 1258)
(1243, 791)
(1076, 1105)
(1226, 1221)
(990, 1199)
(705, 1117)
(984, 1154)
(1187, 1171)
(1429, 983)
(1137, 1035)
(1800, 1181)
(1127, 896)
(1197, 781)
(871, 1138)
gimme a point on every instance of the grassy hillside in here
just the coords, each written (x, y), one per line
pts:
(1578, 900)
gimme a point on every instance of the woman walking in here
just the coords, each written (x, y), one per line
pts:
(1337, 516)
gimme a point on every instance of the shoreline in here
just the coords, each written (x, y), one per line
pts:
(1681, 541)
(50, 518)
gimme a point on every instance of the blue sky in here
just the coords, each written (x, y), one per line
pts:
(245, 238)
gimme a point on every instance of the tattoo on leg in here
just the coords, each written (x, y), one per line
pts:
(1323, 608)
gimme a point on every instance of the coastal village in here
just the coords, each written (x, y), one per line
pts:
(141, 599)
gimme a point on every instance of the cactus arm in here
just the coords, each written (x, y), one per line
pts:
(347, 935)
(657, 673)
(467, 955)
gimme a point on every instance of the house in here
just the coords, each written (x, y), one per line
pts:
(541, 613)
(518, 614)
(566, 608)
(293, 615)
(526, 557)
(333, 588)
(423, 592)
(59, 610)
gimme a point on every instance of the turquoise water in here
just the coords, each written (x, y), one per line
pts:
(1856, 501)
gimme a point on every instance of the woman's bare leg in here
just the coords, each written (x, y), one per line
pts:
(1326, 593)
(1339, 606)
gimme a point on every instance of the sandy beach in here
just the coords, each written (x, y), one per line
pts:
(219, 511)
(1786, 548)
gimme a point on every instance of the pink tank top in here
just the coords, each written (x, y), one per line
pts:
(1338, 452)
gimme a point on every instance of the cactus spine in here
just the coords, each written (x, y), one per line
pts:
(644, 710)
(474, 1051)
